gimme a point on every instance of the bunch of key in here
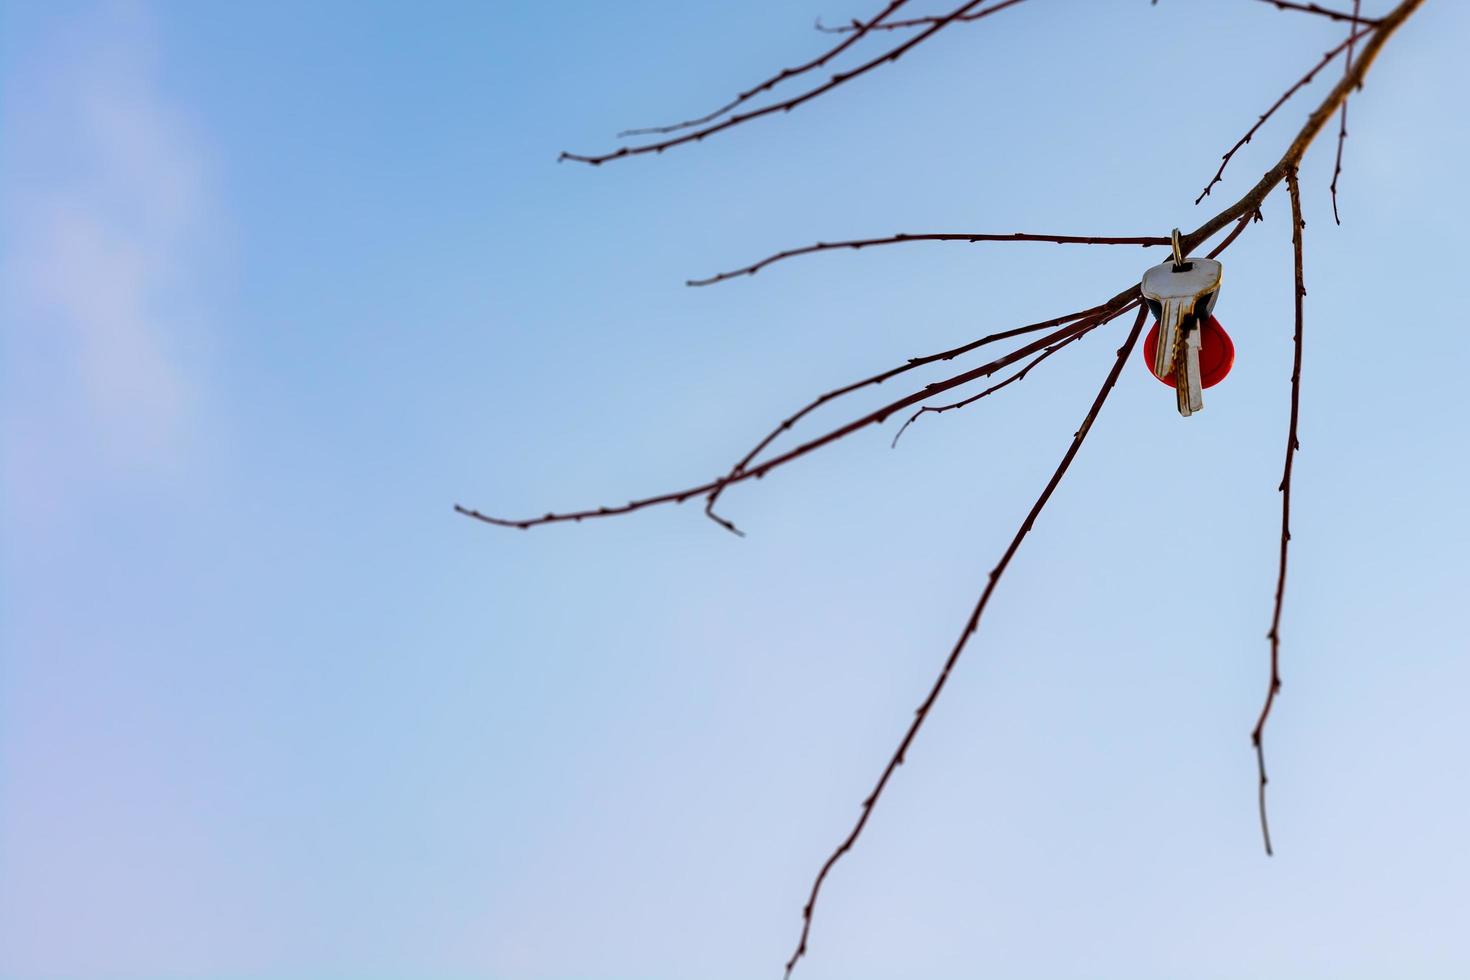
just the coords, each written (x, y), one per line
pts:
(1181, 294)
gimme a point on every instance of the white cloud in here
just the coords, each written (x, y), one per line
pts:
(105, 212)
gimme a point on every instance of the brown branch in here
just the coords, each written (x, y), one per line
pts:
(742, 471)
(1004, 382)
(1313, 8)
(1292, 445)
(893, 54)
(1302, 83)
(858, 29)
(756, 472)
(1241, 213)
(1342, 127)
(1010, 379)
(859, 243)
(877, 379)
(1240, 226)
(1247, 207)
(974, 621)
(1080, 315)
(894, 25)
(1252, 199)
(1249, 203)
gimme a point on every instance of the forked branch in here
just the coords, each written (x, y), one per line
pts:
(1009, 379)
(1060, 332)
(914, 362)
(757, 471)
(896, 25)
(858, 29)
(970, 626)
(891, 55)
(1315, 8)
(1302, 83)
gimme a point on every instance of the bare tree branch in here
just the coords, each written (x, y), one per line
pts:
(1251, 201)
(1313, 8)
(877, 379)
(894, 25)
(974, 621)
(891, 55)
(1240, 226)
(1292, 445)
(1241, 213)
(1010, 379)
(1342, 127)
(756, 472)
(1088, 316)
(858, 30)
(858, 243)
(1305, 81)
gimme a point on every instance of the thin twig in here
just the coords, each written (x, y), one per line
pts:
(1252, 199)
(1302, 83)
(893, 54)
(1240, 226)
(877, 379)
(895, 25)
(1010, 379)
(1292, 445)
(858, 29)
(860, 243)
(970, 626)
(1314, 8)
(1342, 128)
(756, 472)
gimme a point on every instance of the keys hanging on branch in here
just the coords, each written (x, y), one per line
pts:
(1187, 347)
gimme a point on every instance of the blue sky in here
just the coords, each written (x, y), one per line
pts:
(280, 285)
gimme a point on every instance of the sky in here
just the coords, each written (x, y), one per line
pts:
(281, 283)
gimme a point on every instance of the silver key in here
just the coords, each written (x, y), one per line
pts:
(1182, 293)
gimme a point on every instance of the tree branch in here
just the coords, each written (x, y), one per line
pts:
(1342, 127)
(1292, 445)
(1009, 379)
(1240, 226)
(1313, 8)
(970, 626)
(1252, 199)
(858, 30)
(893, 54)
(756, 472)
(894, 25)
(877, 379)
(1305, 81)
(859, 243)
(1241, 213)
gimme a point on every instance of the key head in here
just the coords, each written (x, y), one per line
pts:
(1197, 278)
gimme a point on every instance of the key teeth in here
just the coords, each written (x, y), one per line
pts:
(1192, 371)
(1181, 397)
(1188, 393)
